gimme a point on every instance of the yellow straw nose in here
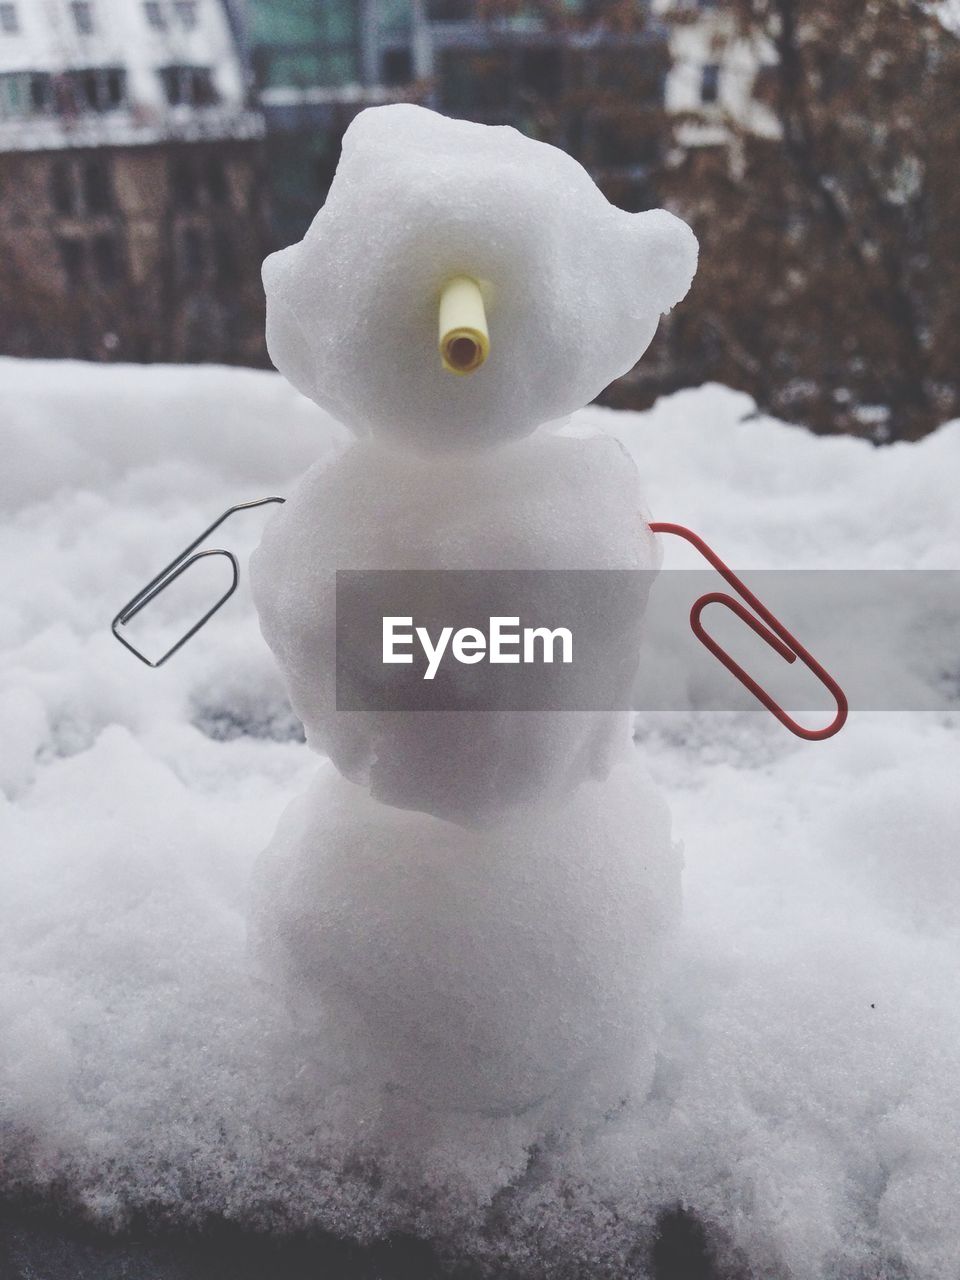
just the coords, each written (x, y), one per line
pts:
(464, 340)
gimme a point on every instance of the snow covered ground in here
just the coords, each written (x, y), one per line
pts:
(807, 1101)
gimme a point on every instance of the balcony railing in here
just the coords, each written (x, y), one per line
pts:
(139, 126)
(42, 110)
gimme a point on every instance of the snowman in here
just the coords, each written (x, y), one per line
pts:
(472, 905)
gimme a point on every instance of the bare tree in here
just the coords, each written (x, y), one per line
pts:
(830, 278)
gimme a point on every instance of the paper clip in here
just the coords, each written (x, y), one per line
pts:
(775, 634)
(182, 562)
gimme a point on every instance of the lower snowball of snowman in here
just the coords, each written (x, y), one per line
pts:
(488, 970)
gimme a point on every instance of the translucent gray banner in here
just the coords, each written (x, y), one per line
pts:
(890, 638)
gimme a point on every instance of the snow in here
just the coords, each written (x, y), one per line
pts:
(515, 968)
(542, 503)
(807, 1091)
(948, 11)
(574, 287)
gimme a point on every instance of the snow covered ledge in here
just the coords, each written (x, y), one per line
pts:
(807, 1104)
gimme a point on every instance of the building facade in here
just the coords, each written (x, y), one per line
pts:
(314, 66)
(131, 194)
(153, 151)
(593, 87)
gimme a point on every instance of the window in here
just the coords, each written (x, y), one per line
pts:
(89, 84)
(106, 259)
(114, 89)
(396, 67)
(198, 179)
(449, 10)
(97, 183)
(225, 257)
(189, 86)
(82, 11)
(186, 11)
(99, 89)
(473, 83)
(102, 253)
(13, 94)
(619, 139)
(9, 23)
(81, 185)
(636, 75)
(206, 256)
(41, 92)
(541, 71)
(204, 93)
(156, 18)
(192, 252)
(73, 259)
(183, 183)
(217, 187)
(25, 93)
(709, 83)
(63, 192)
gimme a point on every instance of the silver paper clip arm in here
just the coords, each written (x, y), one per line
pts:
(188, 556)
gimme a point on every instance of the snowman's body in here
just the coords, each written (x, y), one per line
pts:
(476, 910)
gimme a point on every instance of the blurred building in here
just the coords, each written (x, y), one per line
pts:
(570, 76)
(152, 151)
(599, 78)
(315, 64)
(589, 78)
(717, 73)
(131, 218)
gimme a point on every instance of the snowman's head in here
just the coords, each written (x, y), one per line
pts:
(573, 287)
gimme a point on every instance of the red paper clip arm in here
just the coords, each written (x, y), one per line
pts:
(774, 633)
